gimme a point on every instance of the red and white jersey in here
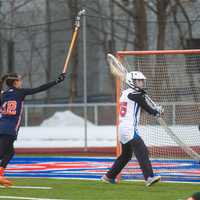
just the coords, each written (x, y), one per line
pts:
(129, 117)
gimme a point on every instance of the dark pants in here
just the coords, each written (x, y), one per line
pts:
(140, 150)
(6, 149)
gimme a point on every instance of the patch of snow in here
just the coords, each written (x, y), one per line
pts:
(66, 118)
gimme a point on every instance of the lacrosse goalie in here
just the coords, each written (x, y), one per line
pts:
(131, 102)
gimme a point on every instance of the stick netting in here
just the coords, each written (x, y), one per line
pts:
(173, 81)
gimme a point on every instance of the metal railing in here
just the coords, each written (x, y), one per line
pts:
(110, 115)
(96, 107)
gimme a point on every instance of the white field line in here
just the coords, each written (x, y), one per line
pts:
(25, 198)
(29, 187)
(181, 182)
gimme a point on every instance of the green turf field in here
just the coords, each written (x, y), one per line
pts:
(95, 190)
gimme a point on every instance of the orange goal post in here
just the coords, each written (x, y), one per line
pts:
(173, 81)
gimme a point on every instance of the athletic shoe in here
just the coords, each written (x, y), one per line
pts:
(152, 180)
(105, 179)
(5, 182)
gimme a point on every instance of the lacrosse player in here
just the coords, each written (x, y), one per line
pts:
(195, 196)
(131, 102)
(11, 104)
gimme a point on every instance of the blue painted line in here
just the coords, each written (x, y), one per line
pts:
(57, 176)
(94, 168)
(61, 159)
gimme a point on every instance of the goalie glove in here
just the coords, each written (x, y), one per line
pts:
(160, 110)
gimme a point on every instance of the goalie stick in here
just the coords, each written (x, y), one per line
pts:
(118, 70)
(73, 40)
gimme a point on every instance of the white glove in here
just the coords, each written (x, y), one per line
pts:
(160, 110)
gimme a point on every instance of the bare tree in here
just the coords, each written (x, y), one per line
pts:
(140, 23)
(161, 69)
(186, 34)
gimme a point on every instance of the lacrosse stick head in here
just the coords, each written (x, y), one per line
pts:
(78, 17)
(116, 67)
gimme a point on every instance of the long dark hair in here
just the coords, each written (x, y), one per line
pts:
(9, 80)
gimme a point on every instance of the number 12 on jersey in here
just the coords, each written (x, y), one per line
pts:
(9, 108)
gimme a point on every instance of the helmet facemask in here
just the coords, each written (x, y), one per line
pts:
(140, 83)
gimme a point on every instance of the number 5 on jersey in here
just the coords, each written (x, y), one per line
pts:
(123, 108)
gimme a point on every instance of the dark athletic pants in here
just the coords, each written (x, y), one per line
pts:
(140, 150)
(6, 149)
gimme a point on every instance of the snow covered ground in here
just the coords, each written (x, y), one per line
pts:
(72, 136)
(66, 118)
(65, 129)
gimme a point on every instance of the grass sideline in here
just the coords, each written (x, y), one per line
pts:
(96, 190)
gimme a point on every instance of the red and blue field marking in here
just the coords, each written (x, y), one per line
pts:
(95, 167)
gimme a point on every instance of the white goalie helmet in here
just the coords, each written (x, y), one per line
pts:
(131, 78)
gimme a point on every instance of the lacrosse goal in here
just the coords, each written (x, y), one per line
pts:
(173, 81)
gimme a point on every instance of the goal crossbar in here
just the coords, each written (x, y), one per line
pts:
(158, 52)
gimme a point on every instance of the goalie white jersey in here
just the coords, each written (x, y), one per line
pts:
(129, 117)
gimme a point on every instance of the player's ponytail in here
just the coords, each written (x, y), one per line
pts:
(2, 80)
